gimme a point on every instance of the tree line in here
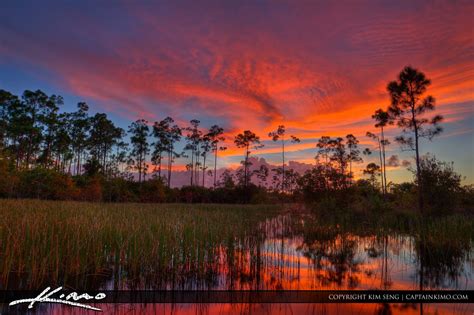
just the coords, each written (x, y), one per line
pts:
(36, 135)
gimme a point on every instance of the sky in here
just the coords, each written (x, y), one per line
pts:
(317, 67)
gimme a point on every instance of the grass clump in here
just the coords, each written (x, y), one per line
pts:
(146, 245)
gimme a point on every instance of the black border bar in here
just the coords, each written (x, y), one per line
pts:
(241, 296)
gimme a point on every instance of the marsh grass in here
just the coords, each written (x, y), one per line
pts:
(143, 245)
(200, 246)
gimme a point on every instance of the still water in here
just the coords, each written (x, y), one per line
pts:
(293, 252)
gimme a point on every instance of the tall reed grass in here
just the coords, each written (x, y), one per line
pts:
(143, 245)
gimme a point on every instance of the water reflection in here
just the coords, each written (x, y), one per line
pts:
(295, 252)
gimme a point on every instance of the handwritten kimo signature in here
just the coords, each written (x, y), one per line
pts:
(71, 299)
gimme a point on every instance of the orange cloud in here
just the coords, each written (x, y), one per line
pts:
(318, 68)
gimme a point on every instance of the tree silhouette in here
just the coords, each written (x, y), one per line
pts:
(226, 179)
(38, 109)
(276, 135)
(367, 152)
(59, 144)
(215, 136)
(372, 170)
(49, 119)
(15, 124)
(382, 119)
(37, 137)
(246, 140)
(354, 152)
(324, 149)
(339, 154)
(206, 146)
(104, 135)
(120, 157)
(166, 135)
(160, 146)
(335, 154)
(79, 129)
(193, 138)
(139, 132)
(262, 175)
(407, 108)
(7, 103)
(173, 136)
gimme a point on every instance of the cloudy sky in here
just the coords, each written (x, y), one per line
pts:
(318, 67)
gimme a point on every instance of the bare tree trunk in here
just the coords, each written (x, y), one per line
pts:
(383, 159)
(170, 165)
(81, 159)
(246, 166)
(283, 166)
(48, 148)
(215, 167)
(192, 166)
(418, 172)
(350, 164)
(196, 170)
(28, 152)
(139, 168)
(381, 167)
(76, 163)
(203, 169)
(159, 166)
(105, 162)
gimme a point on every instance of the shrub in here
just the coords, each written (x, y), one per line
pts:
(152, 190)
(92, 190)
(44, 183)
(9, 179)
(118, 189)
(441, 185)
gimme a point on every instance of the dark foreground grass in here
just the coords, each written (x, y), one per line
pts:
(65, 242)
(192, 246)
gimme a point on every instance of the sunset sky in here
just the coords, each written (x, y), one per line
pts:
(318, 67)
